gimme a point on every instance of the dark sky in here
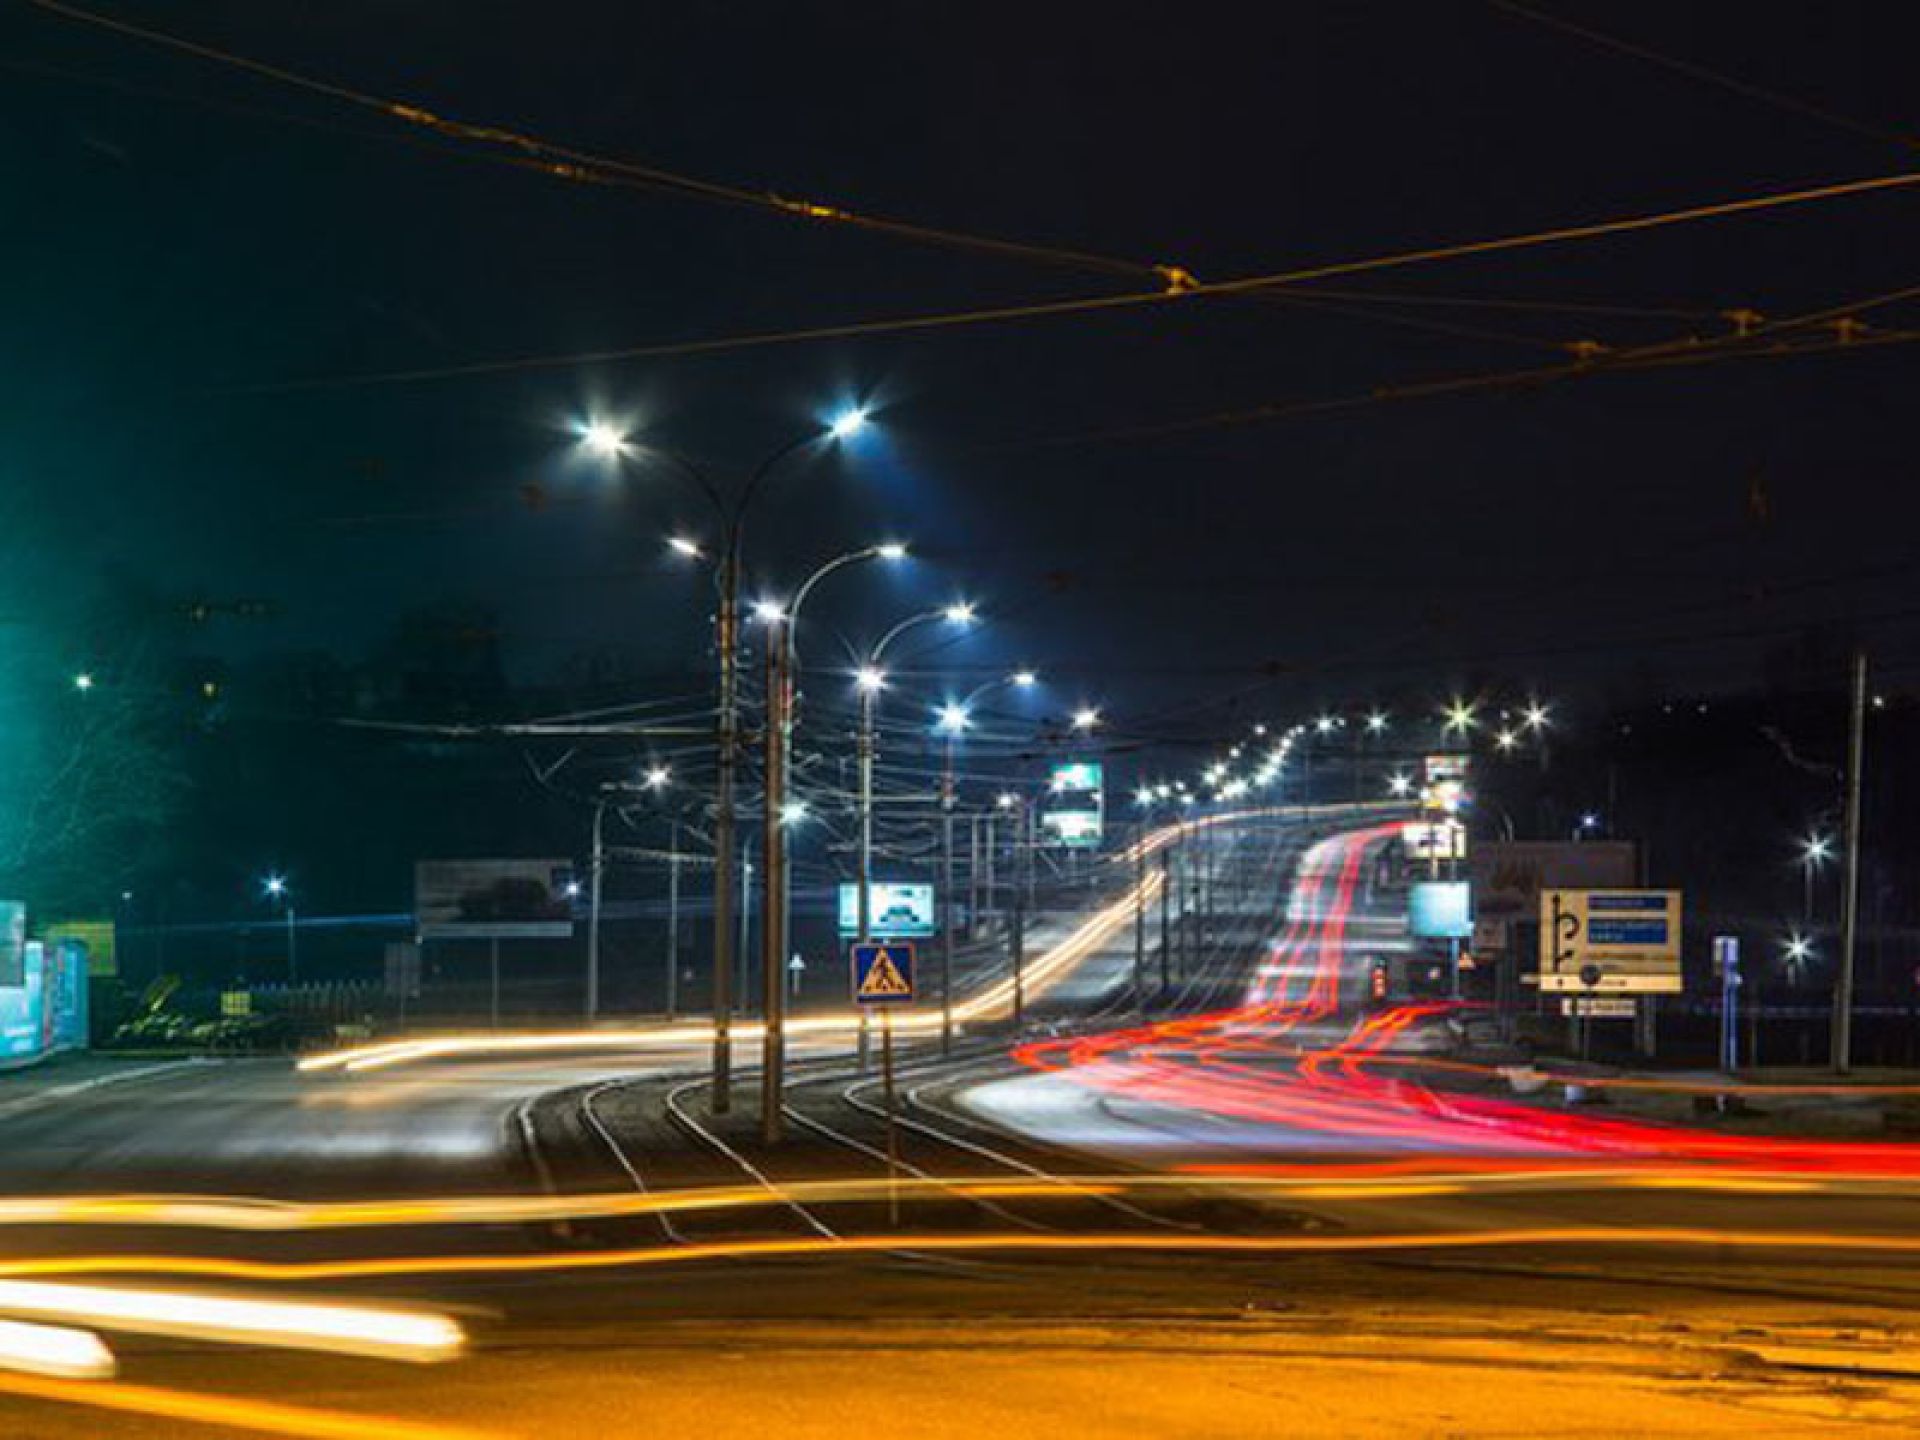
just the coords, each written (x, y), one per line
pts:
(183, 240)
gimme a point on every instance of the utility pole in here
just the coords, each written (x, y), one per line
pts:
(1850, 895)
(1021, 898)
(1140, 917)
(593, 911)
(1166, 901)
(946, 898)
(721, 1100)
(773, 939)
(673, 924)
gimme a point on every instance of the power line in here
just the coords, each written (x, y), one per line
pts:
(1696, 71)
(1087, 305)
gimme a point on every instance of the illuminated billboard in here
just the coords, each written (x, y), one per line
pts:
(894, 912)
(1440, 910)
(1073, 812)
(1434, 839)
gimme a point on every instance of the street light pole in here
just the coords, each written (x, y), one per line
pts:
(598, 866)
(773, 937)
(607, 441)
(946, 896)
(1850, 894)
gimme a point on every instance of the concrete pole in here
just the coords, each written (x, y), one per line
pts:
(673, 924)
(946, 899)
(593, 911)
(863, 883)
(1850, 881)
(723, 877)
(773, 940)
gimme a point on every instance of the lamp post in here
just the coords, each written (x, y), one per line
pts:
(610, 443)
(782, 663)
(1815, 851)
(276, 888)
(955, 718)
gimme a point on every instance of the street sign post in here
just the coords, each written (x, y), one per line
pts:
(1726, 963)
(883, 975)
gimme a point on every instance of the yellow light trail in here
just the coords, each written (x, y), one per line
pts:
(994, 1002)
(266, 1417)
(419, 1336)
(1308, 1182)
(1020, 1243)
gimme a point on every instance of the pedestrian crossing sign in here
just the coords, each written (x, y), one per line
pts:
(883, 974)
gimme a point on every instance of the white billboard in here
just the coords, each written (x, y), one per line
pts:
(492, 899)
(894, 912)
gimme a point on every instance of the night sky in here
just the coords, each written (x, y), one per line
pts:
(207, 270)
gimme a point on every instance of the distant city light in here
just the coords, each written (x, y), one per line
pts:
(274, 885)
(83, 682)
(1376, 722)
(1799, 949)
(1399, 784)
(1006, 799)
(1086, 718)
(1536, 716)
(573, 889)
(1817, 848)
(1589, 821)
(1506, 740)
(1461, 716)
(1326, 724)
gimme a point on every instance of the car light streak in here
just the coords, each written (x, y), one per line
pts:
(262, 1416)
(1041, 974)
(1258, 1063)
(54, 1350)
(1012, 1242)
(418, 1336)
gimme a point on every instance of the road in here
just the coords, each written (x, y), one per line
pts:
(1271, 1210)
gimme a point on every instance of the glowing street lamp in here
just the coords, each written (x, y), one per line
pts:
(769, 612)
(682, 545)
(1505, 740)
(1399, 785)
(1376, 722)
(1086, 718)
(870, 679)
(1461, 717)
(1815, 851)
(83, 682)
(849, 422)
(892, 550)
(603, 439)
(954, 719)
(275, 887)
(959, 613)
(1536, 716)
(657, 777)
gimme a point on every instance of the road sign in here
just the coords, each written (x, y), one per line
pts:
(883, 974)
(1621, 942)
(1605, 1007)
